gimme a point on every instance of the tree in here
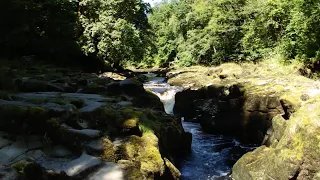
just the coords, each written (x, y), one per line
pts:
(115, 30)
(38, 27)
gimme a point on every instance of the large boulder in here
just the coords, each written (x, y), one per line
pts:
(229, 110)
(294, 153)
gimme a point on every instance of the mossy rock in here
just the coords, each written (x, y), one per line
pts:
(131, 170)
(171, 170)
(17, 118)
(29, 170)
(108, 150)
(296, 155)
(159, 135)
(130, 123)
(144, 152)
(19, 166)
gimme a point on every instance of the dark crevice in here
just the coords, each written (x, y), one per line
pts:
(295, 175)
(287, 108)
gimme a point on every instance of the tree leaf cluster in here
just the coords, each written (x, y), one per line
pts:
(213, 31)
(97, 31)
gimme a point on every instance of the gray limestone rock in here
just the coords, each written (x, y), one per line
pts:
(84, 163)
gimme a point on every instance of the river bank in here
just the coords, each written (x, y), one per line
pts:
(265, 103)
(59, 123)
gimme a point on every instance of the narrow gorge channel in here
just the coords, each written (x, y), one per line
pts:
(212, 156)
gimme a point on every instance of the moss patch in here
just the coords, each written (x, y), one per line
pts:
(19, 166)
(108, 150)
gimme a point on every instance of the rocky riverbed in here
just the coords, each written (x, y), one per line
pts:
(58, 123)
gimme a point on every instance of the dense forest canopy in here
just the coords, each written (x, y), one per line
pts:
(187, 32)
(215, 31)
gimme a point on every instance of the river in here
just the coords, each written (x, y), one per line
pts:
(211, 156)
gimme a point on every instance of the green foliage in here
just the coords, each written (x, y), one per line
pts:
(124, 32)
(197, 32)
(38, 27)
(114, 30)
(104, 30)
(214, 31)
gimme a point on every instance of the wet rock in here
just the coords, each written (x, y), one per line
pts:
(82, 165)
(85, 134)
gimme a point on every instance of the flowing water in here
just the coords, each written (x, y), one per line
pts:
(211, 156)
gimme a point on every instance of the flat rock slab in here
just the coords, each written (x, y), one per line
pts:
(92, 106)
(86, 133)
(54, 163)
(20, 149)
(82, 164)
(110, 171)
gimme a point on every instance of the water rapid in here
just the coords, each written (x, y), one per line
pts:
(211, 156)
